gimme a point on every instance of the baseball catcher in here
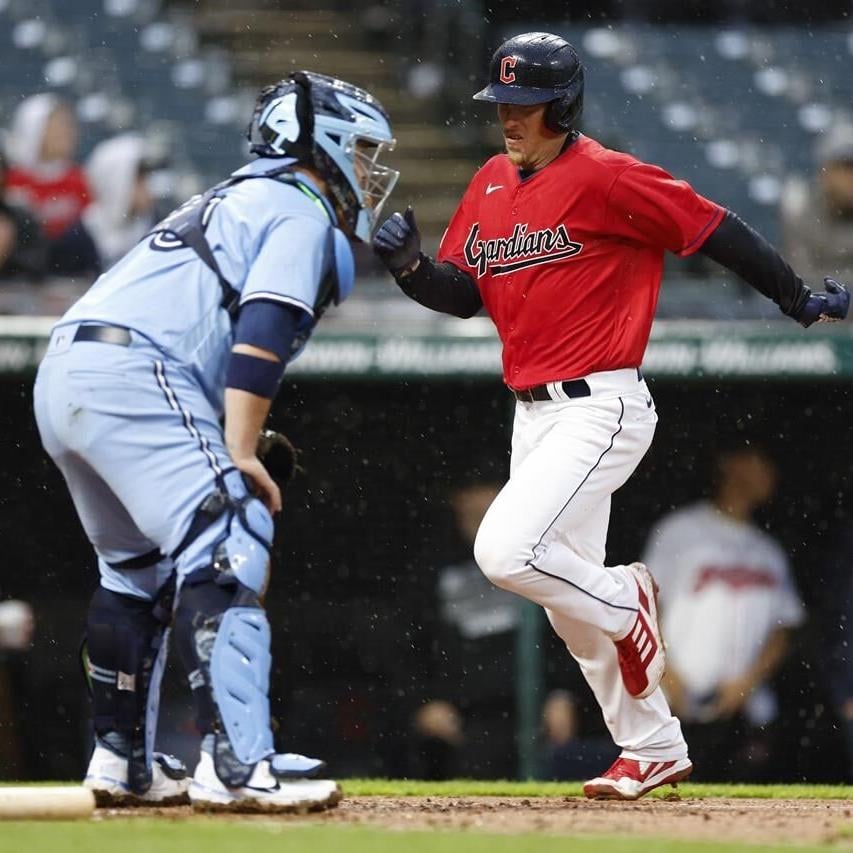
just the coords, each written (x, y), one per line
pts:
(199, 321)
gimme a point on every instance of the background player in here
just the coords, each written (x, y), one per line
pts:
(720, 569)
(563, 242)
(197, 321)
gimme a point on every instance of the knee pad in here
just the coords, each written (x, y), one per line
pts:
(244, 551)
(125, 656)
(224, 640)
(231, 533)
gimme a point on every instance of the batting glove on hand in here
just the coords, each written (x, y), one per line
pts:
(398, 242)
(828, 307)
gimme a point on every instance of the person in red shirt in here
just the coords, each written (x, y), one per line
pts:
(562, 241)
(44, 177)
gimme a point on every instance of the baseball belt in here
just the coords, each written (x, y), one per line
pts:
(117, 335)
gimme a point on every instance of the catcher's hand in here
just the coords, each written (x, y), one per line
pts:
(279, 456)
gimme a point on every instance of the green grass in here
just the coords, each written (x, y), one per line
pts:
(316, 834)
(474, 788)
(201, 835)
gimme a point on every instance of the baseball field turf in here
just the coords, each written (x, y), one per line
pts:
(477, 817)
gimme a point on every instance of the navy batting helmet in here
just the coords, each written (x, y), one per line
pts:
(538, 68)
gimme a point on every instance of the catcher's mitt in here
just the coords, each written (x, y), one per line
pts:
(279, 456)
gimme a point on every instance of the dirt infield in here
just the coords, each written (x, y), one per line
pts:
(721, 820)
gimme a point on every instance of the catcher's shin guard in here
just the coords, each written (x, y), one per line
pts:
(124, 656)
(223, 638)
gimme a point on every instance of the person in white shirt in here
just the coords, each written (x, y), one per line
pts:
(728, 605)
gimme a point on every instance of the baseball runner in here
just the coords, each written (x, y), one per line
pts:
(196, 322)
(562, 241)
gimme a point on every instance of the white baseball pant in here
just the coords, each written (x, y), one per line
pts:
(544, 539)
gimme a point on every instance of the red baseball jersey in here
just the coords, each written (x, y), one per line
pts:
(55, 200)
(569, 261)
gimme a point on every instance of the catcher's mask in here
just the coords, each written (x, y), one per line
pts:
(338, 129)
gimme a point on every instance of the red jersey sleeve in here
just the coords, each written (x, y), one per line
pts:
(649, 205)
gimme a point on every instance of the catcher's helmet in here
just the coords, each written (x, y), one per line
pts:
(338, 129)
(538, 68)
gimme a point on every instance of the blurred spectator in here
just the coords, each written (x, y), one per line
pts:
(17, 626)
(728, 604)
(444, 48)
(23, 250)
(817, 218)
(567, 756)
(438, 741)
(473, 659)
(122, 209)
(838, 617)
(44, 177)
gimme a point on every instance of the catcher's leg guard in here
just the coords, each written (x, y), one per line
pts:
(125, 655)
(223, 638)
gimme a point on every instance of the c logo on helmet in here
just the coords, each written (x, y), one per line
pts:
(507, 63)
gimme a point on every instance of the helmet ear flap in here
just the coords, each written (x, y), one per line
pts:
(304, 109)
(562, 114)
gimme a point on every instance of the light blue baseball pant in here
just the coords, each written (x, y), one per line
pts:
(140, 448)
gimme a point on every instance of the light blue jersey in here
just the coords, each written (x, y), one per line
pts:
(270, 240)
(134, 422)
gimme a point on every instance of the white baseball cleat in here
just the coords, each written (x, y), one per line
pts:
(262, 793)
(106, 778)
(642, 659)
(629, 779)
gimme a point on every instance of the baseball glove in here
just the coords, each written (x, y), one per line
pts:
(279, 456)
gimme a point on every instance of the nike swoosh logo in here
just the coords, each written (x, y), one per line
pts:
(490, 189)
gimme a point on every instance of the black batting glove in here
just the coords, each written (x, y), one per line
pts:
(828, 307)
(398, 242)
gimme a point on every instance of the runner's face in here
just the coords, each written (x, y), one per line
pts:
(529, 144)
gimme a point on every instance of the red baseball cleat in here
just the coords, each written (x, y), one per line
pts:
(641, 653)
(628, 779)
